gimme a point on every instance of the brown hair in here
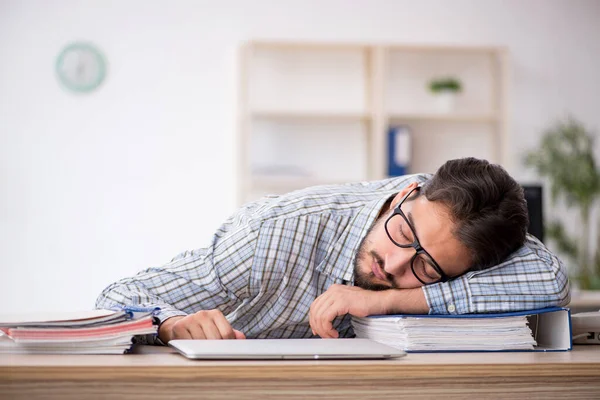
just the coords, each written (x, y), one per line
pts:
(486, 204)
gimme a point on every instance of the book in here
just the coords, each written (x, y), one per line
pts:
(79, 332)
(547, 329)
(399, 150)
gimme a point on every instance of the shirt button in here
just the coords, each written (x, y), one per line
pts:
(451, 308)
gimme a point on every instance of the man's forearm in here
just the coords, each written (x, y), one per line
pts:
(404, 301)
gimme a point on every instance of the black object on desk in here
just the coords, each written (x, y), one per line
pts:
(534, 197)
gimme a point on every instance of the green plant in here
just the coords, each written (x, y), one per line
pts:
(565, 156)
(449, 84)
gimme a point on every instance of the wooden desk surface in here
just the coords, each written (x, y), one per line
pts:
(157, 372)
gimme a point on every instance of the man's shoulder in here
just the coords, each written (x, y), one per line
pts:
(343, 198)
(532, 256)
(393, 183)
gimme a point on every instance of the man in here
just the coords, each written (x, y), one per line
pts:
(300, 264)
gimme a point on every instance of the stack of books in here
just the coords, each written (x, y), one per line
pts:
(535, 330)
(87, 332)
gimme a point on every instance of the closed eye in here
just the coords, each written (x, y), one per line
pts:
(403, 235)
(408, 240)
(427, 275)
(424, 265)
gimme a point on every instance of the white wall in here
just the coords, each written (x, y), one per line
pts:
(96, 187)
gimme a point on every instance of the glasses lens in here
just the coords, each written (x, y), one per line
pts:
(399, 230)
(423, 269)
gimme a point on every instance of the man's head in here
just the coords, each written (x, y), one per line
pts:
(470, 215)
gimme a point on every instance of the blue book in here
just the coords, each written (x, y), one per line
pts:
(399, 150)
(546, 329)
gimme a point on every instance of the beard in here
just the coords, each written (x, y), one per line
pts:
(367, 280)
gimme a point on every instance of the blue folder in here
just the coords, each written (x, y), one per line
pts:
(399, 150)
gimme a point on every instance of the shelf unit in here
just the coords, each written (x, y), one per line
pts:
(473, 118)
(313, 113)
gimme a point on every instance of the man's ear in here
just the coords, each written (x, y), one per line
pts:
(401, 194)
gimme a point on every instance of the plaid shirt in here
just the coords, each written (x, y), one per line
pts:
(270, 260)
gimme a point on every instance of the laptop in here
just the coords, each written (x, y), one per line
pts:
(285, 349)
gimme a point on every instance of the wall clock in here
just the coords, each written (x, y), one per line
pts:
(81, 67)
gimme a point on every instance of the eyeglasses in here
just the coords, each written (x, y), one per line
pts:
(402, 234)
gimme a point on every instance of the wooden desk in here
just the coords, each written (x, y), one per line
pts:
(153, 374)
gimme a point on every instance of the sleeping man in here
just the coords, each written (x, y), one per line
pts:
(299, 265)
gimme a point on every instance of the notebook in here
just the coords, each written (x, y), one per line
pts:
(75, 332)
(284, 349)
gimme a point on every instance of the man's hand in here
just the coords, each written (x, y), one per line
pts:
(209, 324)
(341, 300)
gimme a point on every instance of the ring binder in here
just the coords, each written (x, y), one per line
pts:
(546, 329)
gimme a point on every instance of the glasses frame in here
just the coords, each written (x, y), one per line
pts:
(415, 244)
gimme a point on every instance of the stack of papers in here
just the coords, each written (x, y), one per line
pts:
(441, 333)
(81, 332)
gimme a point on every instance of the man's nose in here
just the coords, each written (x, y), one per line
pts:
(398, 262)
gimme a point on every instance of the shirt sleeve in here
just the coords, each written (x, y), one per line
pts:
(215, 277)
(531, 278)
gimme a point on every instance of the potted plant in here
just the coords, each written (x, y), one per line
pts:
(445, 90)
(566, 157)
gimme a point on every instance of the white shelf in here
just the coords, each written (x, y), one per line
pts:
(327, 107)
(467, 118)
(445, 49)
(357, 116)
(335, 116)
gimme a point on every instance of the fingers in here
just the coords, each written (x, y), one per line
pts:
(325, 317)
(223, 329)
(327, 324)
(238, 334)
(195, 331)
(313, 316)
(210, 329)
(180, 330)
(209, 324)
(322, 313)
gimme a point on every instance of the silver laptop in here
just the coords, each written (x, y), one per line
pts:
(284, 349)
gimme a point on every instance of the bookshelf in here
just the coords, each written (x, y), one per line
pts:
(312, 113)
